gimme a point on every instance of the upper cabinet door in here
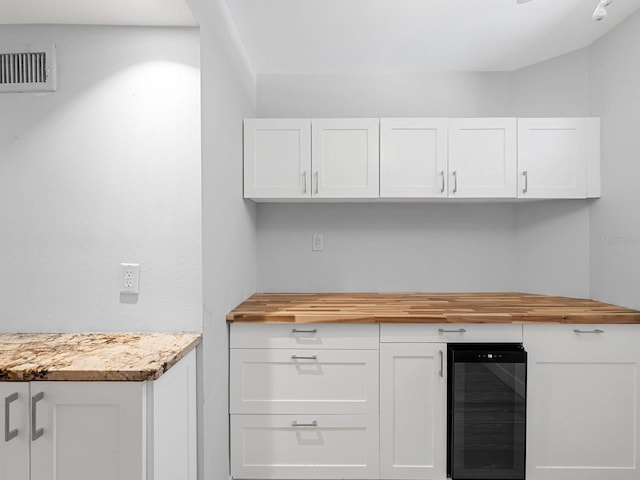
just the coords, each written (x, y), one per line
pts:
(482, 158)
(413, 157)
(277, 158)
(554, 155)
(345, 158)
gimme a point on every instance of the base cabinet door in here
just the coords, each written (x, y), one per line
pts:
(583, 404)
(86, 431)
(14, 443)
(413, 411)
(304, 446)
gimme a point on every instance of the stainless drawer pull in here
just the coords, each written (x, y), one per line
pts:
(310, 357)
(441, 364)
(295, 330)
(597, 330)
(459, 330)
(9, 434)
(312, 424)
(36, 432)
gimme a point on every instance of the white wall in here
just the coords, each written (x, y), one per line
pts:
(228, 222)
(103, 171)
(539, 247)
(615, 218)
(552, 237)
(403, 95)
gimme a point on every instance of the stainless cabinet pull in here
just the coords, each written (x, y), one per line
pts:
(455, 181)
(9, 434)
(441, 364)
(309, 357)
(459, 330)
(304, 182)
(525, 174)
(312, 424)
(442, 175)
(295, 330)
(317, 182)
(36, 432)
(597, 330)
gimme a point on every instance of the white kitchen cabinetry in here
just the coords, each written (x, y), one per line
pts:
(103, 430)
(277, 158)
(583, 405)
(14, 443)
(558, 157)
(413, 405)
(482, 157)
(280, 163)
(345, 157)
(304, 401)
(413, 157)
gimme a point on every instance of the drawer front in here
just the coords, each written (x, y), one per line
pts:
(584, 342)
(312, 336)
(450, 333)
(303, 381)
(321, 446)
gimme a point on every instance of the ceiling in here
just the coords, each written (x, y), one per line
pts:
(97, 12)
(389, 36)
(365, 36)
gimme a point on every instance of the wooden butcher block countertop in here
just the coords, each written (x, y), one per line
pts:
(91, 356)
(426, 308)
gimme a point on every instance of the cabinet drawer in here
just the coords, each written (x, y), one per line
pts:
(281, 446)
(313, 336)
(303, 381)
(597, 342)
(450, 333)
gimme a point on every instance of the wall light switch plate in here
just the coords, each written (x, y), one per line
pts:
(317, 243)
(130, 278)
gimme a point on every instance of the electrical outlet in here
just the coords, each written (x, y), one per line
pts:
(317, 242)
(130, 278)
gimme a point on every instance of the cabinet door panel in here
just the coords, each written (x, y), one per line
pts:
(90, 430)
(345, 158)
(14, 448)
(413, 157)
(553, 156)
(277, 158)
(582, 402)
(335, 446)
(482, 157)
(412, 411)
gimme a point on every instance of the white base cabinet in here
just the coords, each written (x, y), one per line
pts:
(304, 401)
(413, 405)
(583, 403)
(101, 430)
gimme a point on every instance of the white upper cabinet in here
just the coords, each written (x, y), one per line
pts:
(558, 157)
(413, 157)
(482, 157)
(421, 158)
(277, 158)
(279, 162)
(345, 154)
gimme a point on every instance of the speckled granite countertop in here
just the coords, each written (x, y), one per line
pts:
(91, 356)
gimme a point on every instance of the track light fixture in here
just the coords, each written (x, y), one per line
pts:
(600, 13)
